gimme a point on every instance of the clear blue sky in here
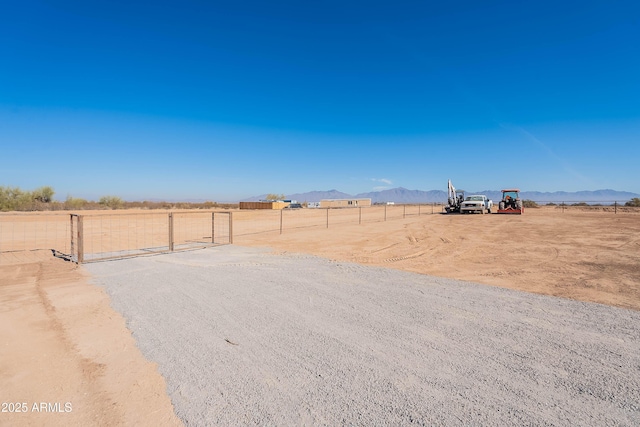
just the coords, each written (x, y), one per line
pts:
(226, 100)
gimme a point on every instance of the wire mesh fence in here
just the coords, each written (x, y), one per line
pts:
(109, 236)
(26, 237)
(93, 237)
(249, 222)
(86, 237)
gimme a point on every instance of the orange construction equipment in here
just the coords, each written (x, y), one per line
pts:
(511, 202)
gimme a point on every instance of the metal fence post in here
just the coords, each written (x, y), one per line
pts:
(230, 227)
(404, 211)
(385, 212)
(281, 211)
(171, 231)
(327, 217)
(615, 207)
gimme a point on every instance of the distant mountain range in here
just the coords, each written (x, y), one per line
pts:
(403, 195)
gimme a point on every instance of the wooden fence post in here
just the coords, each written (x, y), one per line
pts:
(72, 237)
(80, 239)
(171, 231)
(213, 227)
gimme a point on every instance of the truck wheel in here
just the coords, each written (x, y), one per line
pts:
(501, 206)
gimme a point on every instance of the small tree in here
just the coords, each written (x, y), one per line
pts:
(14, 199)
(274, 197)
(43, 194)
(529, 204)
(635, 202)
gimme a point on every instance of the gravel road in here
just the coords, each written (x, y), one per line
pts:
(247, 337)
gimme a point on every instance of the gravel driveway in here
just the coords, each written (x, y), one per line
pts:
(247, 337)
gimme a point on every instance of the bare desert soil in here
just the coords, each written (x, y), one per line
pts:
(66, 358)
(583, 255)
(62, 343)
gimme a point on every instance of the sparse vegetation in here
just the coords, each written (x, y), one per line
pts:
(274, 197)
(41, 199)
(15, 199)
(111, 202)
(529, 204)
(634, 203)
(72, 203)
(43, 194)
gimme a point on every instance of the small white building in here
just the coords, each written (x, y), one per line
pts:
(345, 203)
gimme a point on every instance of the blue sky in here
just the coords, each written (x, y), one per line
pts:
(227, 100)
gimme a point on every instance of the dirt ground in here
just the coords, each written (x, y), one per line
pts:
(69, 358)
(583, 255)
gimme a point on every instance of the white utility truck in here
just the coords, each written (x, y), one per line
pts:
(476, 203)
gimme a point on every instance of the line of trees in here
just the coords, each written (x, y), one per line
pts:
(41, 199)
(15, 199)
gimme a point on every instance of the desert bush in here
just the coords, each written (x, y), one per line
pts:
(43, 194)
(274, 197)
(580, 204)
(14, 199)
(111, 202)
(635, 202)
(72, 203)
(529, 204)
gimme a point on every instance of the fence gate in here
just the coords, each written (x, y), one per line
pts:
(119, 235)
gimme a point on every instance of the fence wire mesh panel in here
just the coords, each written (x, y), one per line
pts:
(111, 236)
(252, 222)
(30, 237)
(248, 222)
(108, 236)
(294, 219)
(197, 229)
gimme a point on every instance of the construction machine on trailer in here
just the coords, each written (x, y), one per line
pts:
(511, 202)
(454, 199)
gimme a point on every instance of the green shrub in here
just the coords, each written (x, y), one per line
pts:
(14, 199)
(43, 194)
(529, 204)
(72, 203)
(111, 202)
(635, 202)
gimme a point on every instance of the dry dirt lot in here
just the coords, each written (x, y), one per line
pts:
(61, 342)
(589, 256)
